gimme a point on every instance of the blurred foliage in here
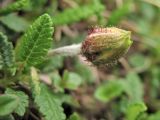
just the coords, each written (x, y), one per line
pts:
(9, 21)
(76, 90)
(16, 6)
(76, 14)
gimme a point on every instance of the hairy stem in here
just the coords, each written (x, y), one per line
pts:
(70, 50)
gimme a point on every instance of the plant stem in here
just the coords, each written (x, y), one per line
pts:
(70, 50)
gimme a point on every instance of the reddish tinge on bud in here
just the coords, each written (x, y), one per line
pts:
(105, 46)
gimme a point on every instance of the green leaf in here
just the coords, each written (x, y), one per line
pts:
(84, 71)
(34, 45)
(139, 61)
(68, 99)
(76, 14)
(154, 82)
(35, 82)
(109, 91)
(133, 81)
(48, 105)
(56, 81)
(52, 64)
(16, 6)
(23, 101)
(154, 116)
(134, 110)
(8, 117)
(14, 22)
(71, 80)
(6, 52)
(75, 116)
(8, 104)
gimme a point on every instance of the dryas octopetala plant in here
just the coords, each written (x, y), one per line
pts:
(102, 46)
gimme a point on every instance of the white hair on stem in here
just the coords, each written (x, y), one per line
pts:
(70, 50)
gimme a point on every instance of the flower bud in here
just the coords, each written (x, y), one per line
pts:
(105, 46)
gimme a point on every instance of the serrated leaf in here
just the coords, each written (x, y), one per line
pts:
(11, 21)
(48, 105)
(134, 110)
(8, 104)
(108, 91)
(6, 52)
(16, 6)
(23, 101)
(35, 43)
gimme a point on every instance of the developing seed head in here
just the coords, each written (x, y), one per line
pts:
(104, 46)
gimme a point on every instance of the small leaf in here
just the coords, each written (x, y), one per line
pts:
(8, 104)
(23, 101)
(16, 6)
(56, 81)
(109, 91)
(71, 80)
(139, 62)
(75, 116)
(68, 99)
(35, 82)
(133, 81)
(134, 110)
(6, 52)
(48, 104)
(36, 42)
(84, 71)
